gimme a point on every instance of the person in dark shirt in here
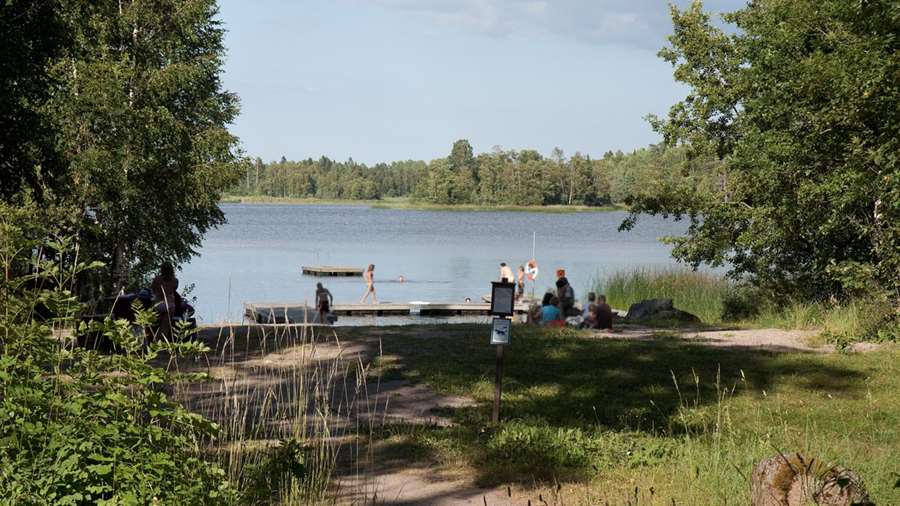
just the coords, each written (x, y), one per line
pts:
(566, 295)
(603, 314)
(324, 300)
(164, 288)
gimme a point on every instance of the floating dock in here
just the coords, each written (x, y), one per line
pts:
(300, 313)
(330, 270)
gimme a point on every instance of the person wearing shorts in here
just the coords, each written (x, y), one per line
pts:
(324, 300)
(520, 283)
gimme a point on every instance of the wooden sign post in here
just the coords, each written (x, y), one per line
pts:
(502, 306)
(498, 386)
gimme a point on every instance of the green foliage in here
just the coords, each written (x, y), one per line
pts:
(497, 178)
(33, 34)
(800, 102)
(275, 472)
(79, 427)
(699, 293)
(741, 303)
(119, 115)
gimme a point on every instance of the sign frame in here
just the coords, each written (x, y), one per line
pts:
(503, 298)
(500, 331)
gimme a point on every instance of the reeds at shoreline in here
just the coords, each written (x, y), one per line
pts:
(697, 292)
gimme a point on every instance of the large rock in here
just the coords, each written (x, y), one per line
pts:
(659, 309)
(793, 480)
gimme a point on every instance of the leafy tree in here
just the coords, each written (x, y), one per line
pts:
(499, 177)
(801, 103)
(33, 34)
(141, 117)
(465, 172)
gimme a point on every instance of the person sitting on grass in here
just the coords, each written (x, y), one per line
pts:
(603, 316)
(566, 295)
(550, 312)
(164, 288)
(535, 310)
(585, 311)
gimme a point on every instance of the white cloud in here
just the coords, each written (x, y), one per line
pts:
(641, 23)
(536, 7)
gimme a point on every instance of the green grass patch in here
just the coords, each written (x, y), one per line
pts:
(596, 419)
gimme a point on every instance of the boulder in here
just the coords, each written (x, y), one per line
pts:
(659, 309)
(793, 480)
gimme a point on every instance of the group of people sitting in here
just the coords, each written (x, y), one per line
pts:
(558, 309)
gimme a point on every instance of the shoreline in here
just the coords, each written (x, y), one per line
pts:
(408, 204)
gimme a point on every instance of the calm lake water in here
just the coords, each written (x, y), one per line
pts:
(444, 256)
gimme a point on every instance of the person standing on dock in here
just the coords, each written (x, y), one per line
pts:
(520, 283)
(324, 301)
(369, 276)
(506, 274)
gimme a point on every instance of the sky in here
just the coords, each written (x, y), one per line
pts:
(384, 80)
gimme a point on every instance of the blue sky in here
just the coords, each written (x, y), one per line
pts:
(382, 80)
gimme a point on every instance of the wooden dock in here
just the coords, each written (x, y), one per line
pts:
(299, 313)
(330, 270)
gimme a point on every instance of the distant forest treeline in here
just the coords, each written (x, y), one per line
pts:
(497, 178)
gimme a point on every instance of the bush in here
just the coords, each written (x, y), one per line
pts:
(863, 319)
(741, 303)
(79, 427)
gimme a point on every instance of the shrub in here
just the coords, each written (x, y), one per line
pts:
(79, 427)
(740, 303)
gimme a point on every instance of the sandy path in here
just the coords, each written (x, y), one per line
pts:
(769, 339)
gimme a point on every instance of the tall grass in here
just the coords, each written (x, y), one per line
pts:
(714, 299)
(290, 406)
(699, 293)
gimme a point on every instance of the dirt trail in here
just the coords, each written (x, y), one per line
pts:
(769, 339)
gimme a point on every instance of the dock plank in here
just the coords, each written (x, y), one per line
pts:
(330, 270)
(299, 312)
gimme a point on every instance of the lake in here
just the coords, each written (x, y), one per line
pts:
(445, 256)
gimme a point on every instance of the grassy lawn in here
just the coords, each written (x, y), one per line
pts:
(589, 420)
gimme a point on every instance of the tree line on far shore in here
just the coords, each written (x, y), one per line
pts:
(498, 177)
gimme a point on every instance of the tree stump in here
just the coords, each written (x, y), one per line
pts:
(792, 480)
